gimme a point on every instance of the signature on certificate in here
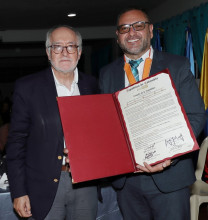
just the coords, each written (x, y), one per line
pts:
(151, 152)
(174, 141)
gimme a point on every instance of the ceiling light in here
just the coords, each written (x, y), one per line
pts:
(71, 14)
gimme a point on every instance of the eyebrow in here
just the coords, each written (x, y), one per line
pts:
(70, 43)
(133, 23)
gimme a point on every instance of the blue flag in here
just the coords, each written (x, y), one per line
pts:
(189, 49)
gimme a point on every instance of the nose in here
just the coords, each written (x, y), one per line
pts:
(64, 52)
(131, 31)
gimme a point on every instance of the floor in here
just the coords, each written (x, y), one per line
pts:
(203, 212)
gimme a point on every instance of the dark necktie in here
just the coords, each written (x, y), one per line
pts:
(134, 64)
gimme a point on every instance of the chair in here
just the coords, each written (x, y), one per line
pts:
(199, 190)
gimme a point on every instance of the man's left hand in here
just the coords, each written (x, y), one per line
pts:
(155, 168)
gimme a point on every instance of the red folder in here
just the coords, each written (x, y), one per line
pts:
(97, 138)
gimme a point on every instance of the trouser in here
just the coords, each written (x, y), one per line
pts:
(73, 202)
(108, 209)
(140, 199)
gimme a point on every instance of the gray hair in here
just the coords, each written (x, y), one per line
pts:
(50, 31)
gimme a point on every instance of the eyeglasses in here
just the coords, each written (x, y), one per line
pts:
(137, 26)
(59, 49)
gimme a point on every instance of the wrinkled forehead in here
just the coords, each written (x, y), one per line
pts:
(63, 35)
(132, 16)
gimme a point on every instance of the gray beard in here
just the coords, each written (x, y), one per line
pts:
(138, 51)
(60, 70)
(134, 52)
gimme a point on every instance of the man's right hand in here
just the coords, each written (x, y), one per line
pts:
(22, 206)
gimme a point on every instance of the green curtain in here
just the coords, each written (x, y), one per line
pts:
(174, 36)
(199, 23)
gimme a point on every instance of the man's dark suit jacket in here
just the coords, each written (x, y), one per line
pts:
(35, 142)
(181, 172)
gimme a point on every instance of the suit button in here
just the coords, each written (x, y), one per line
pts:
(55, 180)
(59, 157)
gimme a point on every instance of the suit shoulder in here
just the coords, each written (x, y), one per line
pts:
(32, 79)
(33, 76)
(172, 57)
(88, 84)
(113, 65)
(84, 76)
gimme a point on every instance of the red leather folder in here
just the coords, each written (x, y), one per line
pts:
(97, 138)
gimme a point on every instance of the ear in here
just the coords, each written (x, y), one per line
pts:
(48, 54)
(117, 35)
(79, 54)
(151, 30)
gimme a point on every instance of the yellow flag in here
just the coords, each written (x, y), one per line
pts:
(203, 87)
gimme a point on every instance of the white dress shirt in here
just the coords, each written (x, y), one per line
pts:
(62, 90)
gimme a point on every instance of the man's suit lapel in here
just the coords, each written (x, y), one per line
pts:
(83, 85)
(119, 75)
(50, 95)
(157, 65)
(87, 85)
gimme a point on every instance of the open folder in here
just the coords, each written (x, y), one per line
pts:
(109, 134)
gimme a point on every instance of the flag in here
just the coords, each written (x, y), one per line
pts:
(189, 49)
(157, 40)
(203, 87)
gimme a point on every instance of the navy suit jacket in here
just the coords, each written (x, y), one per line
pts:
(35, 142)
(181, 172)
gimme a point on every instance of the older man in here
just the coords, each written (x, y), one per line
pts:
(157, 192)
(39, 179)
